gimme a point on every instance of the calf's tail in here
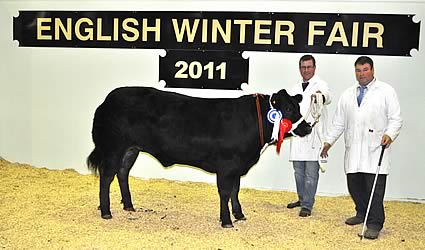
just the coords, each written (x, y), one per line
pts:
(95, 160)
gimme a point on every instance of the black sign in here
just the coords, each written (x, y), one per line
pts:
(203, 69)
(370, 34)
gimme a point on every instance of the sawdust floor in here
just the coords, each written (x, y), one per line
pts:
(51, 209)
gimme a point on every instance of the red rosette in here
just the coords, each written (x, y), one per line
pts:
(284, 127)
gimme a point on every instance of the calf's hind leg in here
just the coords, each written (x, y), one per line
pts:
(127, 163)
(105, 184)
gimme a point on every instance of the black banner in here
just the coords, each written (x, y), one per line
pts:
(203, 69)
(369, 34)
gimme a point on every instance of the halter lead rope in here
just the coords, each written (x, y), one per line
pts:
(316, 107)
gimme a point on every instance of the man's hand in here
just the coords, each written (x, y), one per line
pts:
(386, 140)
(326, 147)
(313, 96)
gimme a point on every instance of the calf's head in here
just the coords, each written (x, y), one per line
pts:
(290, 108)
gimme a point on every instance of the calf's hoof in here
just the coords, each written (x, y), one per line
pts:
(107, 216)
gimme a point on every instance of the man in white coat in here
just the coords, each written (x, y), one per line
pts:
(368, 114)
(304, 151)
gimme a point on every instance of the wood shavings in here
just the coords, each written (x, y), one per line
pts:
(41, 208)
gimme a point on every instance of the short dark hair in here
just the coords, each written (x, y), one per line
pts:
(307, 58)
(364, 60)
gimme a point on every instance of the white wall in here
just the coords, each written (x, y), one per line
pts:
(48, 95)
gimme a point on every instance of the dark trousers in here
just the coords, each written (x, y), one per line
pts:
(360, 186)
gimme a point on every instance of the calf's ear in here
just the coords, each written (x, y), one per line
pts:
(283, 92)
(298, 98)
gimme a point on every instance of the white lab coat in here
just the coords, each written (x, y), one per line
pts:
(307, 148)
(364, 126)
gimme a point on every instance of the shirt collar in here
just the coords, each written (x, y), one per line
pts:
(314, 79)
(370, 84)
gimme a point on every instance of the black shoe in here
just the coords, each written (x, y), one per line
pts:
(294, 204)
(354, 221)
(304, 212)
(371, 234)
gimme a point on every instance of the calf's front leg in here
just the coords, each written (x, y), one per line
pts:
(225, 184)
(234, 198)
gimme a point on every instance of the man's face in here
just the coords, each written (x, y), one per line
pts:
(307, 69)
(364, 73)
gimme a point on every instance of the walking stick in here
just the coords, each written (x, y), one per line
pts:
(373, 191)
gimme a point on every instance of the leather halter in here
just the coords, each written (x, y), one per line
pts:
(260, 119)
